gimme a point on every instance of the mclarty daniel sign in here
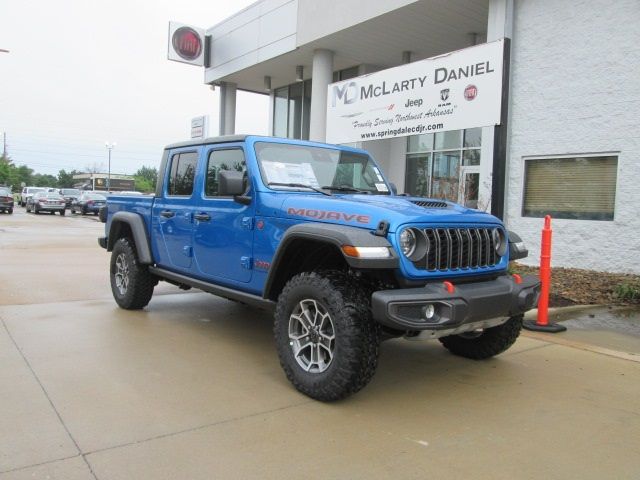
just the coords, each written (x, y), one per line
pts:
(462, 89)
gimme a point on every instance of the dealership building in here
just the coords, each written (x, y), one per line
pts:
(518, 107)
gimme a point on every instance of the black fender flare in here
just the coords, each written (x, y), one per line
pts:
(138, 230)
(337, 235)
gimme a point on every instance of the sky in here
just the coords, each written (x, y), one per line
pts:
(83, 72)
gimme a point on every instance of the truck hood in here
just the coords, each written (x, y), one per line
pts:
(367, 211)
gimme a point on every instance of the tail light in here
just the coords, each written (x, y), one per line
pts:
(90, 202)
(42, 200)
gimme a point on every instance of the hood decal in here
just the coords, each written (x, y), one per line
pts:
(328, 215)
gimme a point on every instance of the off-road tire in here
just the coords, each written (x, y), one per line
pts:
(491, 342)
(357, 336)
(140, 283)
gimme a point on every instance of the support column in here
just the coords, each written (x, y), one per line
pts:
(227, 111)
(322, 74)
(494, 154)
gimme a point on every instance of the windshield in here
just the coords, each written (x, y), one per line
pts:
(316, 167)
(5, 192)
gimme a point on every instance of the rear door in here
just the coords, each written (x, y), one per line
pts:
(223, 228)
(172, 213)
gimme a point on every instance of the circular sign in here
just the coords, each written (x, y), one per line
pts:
(186, 43)
(470, 92)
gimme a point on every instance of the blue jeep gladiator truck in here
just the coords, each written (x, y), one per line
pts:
(316, 234)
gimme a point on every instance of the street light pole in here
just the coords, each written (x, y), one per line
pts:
(110, 146)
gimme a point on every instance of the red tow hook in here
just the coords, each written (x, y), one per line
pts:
(449, 286)
(517, 278)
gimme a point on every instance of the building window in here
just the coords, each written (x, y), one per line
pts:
(435, 163)
(581, 188)
(291, 110)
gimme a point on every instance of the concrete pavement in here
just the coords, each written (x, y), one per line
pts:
(191, 388)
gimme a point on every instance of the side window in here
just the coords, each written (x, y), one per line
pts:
(182, 174)
(230, 159)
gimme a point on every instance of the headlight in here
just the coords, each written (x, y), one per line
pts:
(499, 241)
(414, 244)
(407, 241)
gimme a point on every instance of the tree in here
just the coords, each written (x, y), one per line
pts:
(95, 167)
(146, 178)
(44, 180)
(65, 180)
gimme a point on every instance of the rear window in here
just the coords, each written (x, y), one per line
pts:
(95, 196)
(35, 190)
(5, 192)
(70, 191)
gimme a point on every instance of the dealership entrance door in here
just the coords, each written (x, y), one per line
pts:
(469, 186)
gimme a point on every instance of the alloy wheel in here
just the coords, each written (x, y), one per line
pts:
(122, 274)
(312, 336)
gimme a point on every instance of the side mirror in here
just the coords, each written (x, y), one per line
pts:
(230, 183)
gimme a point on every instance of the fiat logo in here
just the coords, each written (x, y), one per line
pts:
(186, 43)
(470, 92)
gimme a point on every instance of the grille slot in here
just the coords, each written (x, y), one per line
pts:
(459, 248)
(430, 203)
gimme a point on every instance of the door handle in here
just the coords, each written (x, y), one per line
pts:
(202, 217)
(167, 214)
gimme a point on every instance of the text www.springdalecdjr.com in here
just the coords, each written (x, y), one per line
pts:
(392, 132)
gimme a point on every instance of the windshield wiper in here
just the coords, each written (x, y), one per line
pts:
(345, 188)
(299, 185)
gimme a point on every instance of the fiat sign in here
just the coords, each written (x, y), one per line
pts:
(186, 44)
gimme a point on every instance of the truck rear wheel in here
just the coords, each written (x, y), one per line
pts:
(486, 343)
(131, 283)
(327, 342)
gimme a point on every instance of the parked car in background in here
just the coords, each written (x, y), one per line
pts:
(88, 202)
(6, 200)
(69, 194)
(27, 192)
(46, 202)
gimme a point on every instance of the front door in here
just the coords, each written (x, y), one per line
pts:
(223, 228)
(469, 186)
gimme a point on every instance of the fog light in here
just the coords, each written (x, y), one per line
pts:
(428, 311)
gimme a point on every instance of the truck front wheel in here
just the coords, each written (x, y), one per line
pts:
(327, 342)
(131, 283)
(486, 343)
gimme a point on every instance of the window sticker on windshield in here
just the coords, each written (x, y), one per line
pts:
(279, 172)
(382, 187)
(379, 175)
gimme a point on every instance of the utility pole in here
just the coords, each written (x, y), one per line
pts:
(4, 143)
(109, 146)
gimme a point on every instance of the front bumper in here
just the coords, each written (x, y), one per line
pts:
(404, 309)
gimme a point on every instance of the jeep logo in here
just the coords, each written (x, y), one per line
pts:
(347, 92)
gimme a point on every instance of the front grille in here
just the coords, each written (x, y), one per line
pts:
(459, 248)
(430, 204)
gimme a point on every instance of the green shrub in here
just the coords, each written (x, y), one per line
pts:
(628, 292)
